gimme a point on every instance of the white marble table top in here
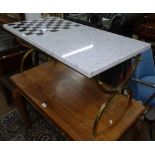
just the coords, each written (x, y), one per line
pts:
(85, 49)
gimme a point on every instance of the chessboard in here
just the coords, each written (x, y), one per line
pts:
(40, 26)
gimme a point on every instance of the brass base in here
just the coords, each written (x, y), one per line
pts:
(120, 89)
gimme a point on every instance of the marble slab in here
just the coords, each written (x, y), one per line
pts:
(88, 50)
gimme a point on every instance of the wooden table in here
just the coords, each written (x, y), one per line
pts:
(71, 101)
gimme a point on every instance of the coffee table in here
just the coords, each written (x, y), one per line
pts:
(87, 50)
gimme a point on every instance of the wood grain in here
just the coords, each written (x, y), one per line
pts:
(73, 101)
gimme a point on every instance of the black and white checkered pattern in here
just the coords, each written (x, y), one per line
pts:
(38, 27)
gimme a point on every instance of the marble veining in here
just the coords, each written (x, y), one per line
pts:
(85, 49)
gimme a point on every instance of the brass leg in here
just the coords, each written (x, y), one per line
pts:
(100, 112)
(24, 58)
(23, 43)
(114, 91)
(22, 108)
(137, 60)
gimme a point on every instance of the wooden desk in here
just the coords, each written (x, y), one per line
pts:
(72, 102)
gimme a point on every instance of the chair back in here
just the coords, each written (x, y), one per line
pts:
(145, 70)
(146, 65)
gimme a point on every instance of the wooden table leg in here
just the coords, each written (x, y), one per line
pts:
(22, 108)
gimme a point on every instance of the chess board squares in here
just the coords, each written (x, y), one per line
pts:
(77, 25)
(66, 27)
(23, 21)
(40, 26)
(54, 30)
(39, 33)
(34, 32)
(28, 33)
(11, 24)
(23, 30)
(16, 26)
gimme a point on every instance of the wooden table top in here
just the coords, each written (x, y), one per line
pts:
(73, 100)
